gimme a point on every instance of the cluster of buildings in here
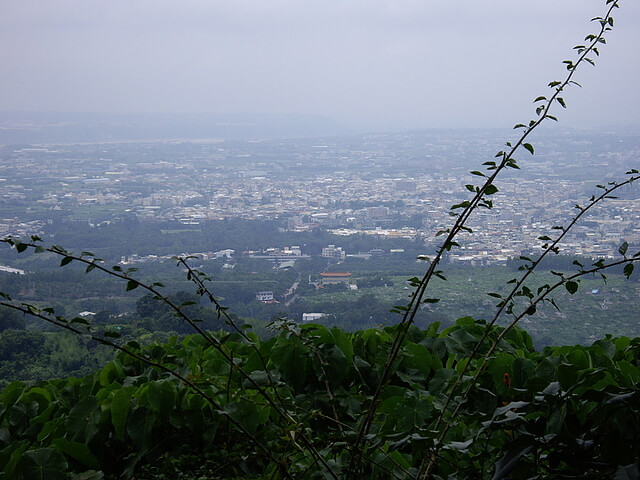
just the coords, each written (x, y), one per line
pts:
(391, 185)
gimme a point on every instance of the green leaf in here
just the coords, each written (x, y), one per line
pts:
(628, 269)
(131, 285)
(83, 419)
(162, 397)
(509, 461)
(11, 393)
(80, 320)
(418, 357)
(490, 190)
(89, 475)
(556, 420)
(529, 147)
(459, 341)
(292, 359)
(571, 286)
(10, 458)
(140, 428)
(120, 409)
(78, 451)
(65, 261)
(622, 249)
(250, 415)
(44, 464)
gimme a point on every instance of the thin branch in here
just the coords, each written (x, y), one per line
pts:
(503, 304)
(459, 225)
(219, 346)
(540, 298)
(30, 310)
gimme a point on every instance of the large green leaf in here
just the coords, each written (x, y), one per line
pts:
(10, 457)
(43, 464)
(251, 415)
(460, 342)
(111, 372)
(140, 428)
(78, 451)
(344, 343)
(418, 357)
(83, 419)
(161, 397)
(332, 363)
(501, 371)
(120, 409)
(292, 359)
(9, 396)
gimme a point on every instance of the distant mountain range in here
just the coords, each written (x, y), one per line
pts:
(39, 127)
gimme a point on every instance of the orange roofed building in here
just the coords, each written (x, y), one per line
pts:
(331, 278)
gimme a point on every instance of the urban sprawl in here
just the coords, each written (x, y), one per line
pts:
(394, 185)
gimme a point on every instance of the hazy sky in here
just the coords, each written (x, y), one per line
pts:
(400, 63)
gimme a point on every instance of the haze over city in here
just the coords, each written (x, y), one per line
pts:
(361, 64)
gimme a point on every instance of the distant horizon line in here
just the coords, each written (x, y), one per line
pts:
(305, 124)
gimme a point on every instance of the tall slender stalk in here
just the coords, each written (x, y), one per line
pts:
(479, 200)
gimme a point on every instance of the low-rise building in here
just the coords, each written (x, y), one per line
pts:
(312, 317)
(332, 278)
(265, 297)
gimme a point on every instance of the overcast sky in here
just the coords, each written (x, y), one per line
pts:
(400, 63)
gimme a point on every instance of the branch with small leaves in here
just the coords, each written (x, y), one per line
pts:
(519, 289)
(479, 200)
(73, 326)
(92, 263)
(571, 284)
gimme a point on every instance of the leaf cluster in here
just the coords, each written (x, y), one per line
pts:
(558, 412)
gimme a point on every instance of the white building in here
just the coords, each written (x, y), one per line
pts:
(334, 252)
(266, 296)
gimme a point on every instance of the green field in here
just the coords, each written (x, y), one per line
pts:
(583, 317)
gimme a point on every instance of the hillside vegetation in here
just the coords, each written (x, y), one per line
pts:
(568, 411)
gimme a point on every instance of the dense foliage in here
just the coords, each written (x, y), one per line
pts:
(567, 411)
